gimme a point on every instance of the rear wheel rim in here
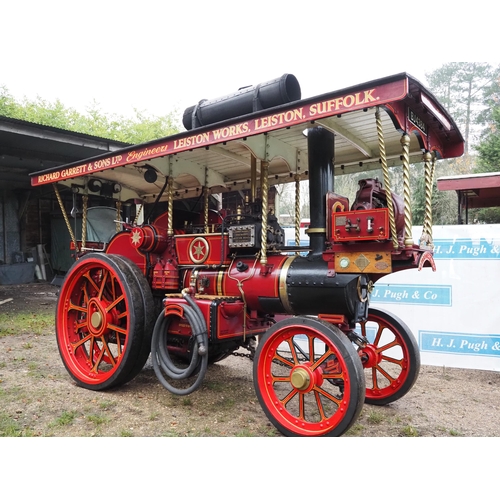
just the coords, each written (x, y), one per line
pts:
(391, 359)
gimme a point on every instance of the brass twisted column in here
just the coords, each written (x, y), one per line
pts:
(170, 197)
(136, 220)
(118, 216)
(205, 208)
(426, 238)
(387, 181)
(264, 192)
(297, 210)
(65, 215)
(84, 220)
(405, 142)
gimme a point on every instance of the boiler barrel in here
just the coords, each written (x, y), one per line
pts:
(311, 289)
(247, 100)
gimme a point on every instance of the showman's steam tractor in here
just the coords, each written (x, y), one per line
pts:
(188, 278)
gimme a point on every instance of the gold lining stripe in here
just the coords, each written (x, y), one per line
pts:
(316, 230)
(283, 291)
(220, 276)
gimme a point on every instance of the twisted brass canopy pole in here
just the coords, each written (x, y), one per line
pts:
(65, 215)
(136, 220)
(253, 178)
(84, 220)
(205, 208)
(118, 216)
(170, 197)
(426, 238)
(264, 188)
(387, 181)
(405, 142)
(297, 210)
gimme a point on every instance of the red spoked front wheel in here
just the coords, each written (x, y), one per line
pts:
(391, 359)
(308, 378)
(100, 322)
(150, 314)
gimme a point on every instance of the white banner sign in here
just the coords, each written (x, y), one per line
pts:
(454, 312)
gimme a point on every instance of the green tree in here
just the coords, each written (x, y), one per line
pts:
(464, 89)
(489, 161)
(489, 148)
(140, 128)
(470, 92)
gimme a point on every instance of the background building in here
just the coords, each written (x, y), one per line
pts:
(26, 213)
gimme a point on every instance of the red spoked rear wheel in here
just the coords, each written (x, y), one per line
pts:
(391, 359)
(100, 322)
(308, 378)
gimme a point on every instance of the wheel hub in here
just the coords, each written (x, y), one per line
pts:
(300, 379)
(369, 355)
(96, 320)
(98, 317)
(304, 378)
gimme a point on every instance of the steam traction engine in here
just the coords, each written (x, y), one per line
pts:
(191, 286)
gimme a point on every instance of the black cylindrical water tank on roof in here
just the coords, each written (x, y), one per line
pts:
(247, 100)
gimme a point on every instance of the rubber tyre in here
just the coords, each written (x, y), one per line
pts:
(100, 322)
(393, 361)
(150, 313)
(330, 395)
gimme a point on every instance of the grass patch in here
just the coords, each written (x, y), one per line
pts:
(10, 428)
(15, 324)
(409, 431)
(216, 386)
(34, 370)
(125, 433)
(270, 432)
(9, 394)
(107, 405)
(224, 403)
(66, 418)
(172, 433)
(97, 419)
(356, 430)
(375, 417)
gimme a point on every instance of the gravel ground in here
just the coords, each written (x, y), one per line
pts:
(38, 398)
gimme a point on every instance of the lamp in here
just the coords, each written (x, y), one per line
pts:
(94, 185)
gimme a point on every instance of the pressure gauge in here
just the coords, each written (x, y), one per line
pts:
(344, 262)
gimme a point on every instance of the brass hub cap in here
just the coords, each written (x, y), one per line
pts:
(96, 320)
(300, 379)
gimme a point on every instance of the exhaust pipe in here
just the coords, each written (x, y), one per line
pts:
(321, 153)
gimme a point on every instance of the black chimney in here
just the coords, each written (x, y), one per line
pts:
(321, 152)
